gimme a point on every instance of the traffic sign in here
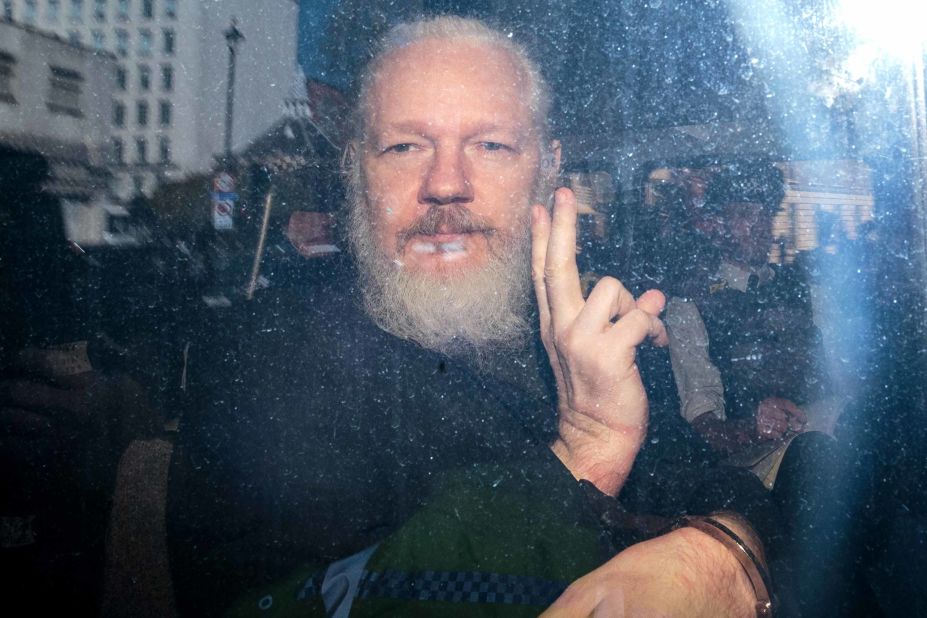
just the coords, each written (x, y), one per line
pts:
(222, 215)
(223, 182)
(225, 197)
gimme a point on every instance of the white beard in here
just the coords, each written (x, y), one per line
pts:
(474, 314)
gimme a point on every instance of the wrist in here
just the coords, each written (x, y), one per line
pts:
(746, 561)
(691, 573)
(597, 453)
(743, 530)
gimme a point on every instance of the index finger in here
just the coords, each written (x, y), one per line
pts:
(561, 275)
(540, 234)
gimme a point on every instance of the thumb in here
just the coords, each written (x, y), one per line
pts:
(652, 301)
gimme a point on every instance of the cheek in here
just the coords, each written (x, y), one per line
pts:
(517, 213)
(510, 185)
(391, 194)
(390, 216)
(387, 208)
(517, 181)
(514, 205)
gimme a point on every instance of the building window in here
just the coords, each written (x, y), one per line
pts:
(147, 9)
(122, 10)
(164, 149)
(122, 78)
(53, 11)
(170, 9)
(64, 91)
(119, 114)
(144, 77)
(169, 41)
(144, 42)
(8, 10)
(164, 113)
(167, 78)
(119, 150)
(7, 75)
(30, 12)
(99, 41)
(141, 150)
(77, 11)
(122, 42)
(99, 10)
(74, 37)
(141, 113)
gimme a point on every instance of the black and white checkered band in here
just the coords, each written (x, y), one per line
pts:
(450, 586)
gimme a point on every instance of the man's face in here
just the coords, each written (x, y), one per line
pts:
(747, 234)
(451, 159)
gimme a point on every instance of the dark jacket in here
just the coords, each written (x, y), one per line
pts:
(323, 434)
(764, 341)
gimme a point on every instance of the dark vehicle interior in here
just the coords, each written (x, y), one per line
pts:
(105, 348)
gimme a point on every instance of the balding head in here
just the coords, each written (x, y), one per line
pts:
(450, 29)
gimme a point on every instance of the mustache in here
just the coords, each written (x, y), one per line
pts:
(446, 219)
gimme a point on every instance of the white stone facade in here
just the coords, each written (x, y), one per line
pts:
(29, 61)
(168, 113)
(56, 100)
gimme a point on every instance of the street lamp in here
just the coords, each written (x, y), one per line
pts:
(233, 37)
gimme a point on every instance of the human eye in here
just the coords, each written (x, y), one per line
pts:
(495, 147)
(398, 148)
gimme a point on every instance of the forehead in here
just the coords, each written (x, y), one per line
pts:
(448, 83)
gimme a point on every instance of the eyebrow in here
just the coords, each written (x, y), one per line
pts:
(419, 128)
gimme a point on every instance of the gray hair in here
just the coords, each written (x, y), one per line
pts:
(457, 28)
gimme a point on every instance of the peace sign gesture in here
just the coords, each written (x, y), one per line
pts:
(601, 400)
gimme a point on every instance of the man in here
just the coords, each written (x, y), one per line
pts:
(743, 345)
(349, 408)
(748, 362)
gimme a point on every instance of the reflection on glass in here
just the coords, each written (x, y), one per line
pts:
(132, 245)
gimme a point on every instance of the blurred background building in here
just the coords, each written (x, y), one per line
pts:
(167, 114)
(56, 101)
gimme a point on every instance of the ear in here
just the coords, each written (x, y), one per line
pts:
(551, 161)
(349, 154)
(550, 169)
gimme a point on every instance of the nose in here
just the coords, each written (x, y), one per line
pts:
(447, 179)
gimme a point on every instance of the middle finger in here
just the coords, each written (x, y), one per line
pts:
(561, 275)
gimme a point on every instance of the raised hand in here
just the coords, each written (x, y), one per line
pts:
(601, 399)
